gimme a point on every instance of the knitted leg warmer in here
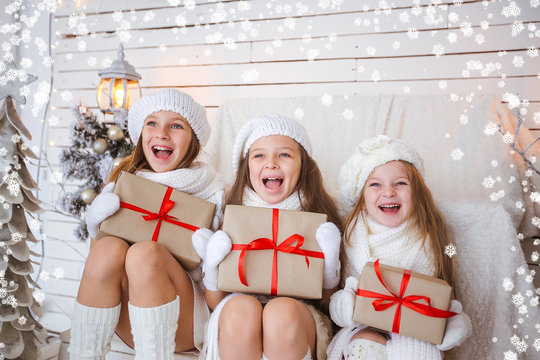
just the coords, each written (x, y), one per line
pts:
(306, 357)
(407, 348)
(154, 330)
(363, 349)
(91, 331)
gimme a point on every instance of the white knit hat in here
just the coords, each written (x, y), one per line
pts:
(371, 153)
(266, 125)
(169, 100)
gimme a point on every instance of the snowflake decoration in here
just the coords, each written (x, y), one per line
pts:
(66, 96)
(312, 54)
(438, 50)
(348, 114)
(497, 195)
(299, 113)
(521, 347)
(518, 61)
(16, 237)
(511, 10)
(15, 138)
(491, 128)
(532, 52)
(53, 120)
(376, 76)
(488, 182)
(58, 273)
(457, 154)
(510, 355)
(536, 344)
(412, 33)
(22, 320)
(10, 300)
(450, 250)
(327, 100)
(57, 177)
(452, 37)
(44, 275)
(518, 300)
(536, 221)
(39, 296)
(517, 27)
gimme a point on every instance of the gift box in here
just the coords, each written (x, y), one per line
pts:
(274, 252)
(403, 301)
(153, 212)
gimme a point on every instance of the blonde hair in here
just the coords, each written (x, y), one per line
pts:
(137, 161)
(424, 216)
(310, 184)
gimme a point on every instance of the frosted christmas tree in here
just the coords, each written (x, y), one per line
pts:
(96, 149)
(18, 306)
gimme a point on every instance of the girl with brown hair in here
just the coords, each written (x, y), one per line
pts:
(274, 169)
(140, 291)
(394, 219)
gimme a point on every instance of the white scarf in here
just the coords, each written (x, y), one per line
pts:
(395, 246)
(251, 198)
(199, 180)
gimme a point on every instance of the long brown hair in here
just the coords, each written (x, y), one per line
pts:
(310, 184)
(424, 216)
(137, 161)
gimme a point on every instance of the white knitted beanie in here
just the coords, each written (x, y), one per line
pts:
(371, 153)
(266, 125)
(169, 100)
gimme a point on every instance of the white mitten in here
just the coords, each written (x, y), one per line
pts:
(219, 246)
(200, 239)
(329, 240)
(342, 303)
(103, 206)
(458, 328)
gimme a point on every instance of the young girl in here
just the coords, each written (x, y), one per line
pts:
(394, 218)
(141, 291)
(274, 169)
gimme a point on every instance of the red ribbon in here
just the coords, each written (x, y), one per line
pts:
(166, 205)
(271, 244)
(383, 301)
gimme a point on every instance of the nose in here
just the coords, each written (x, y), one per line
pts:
(271, 163)
(389, 191)
(162, 132)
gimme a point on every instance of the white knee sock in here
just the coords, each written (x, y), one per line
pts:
(406, 348)
(154, 330)
(91, 331)
(306, 357)
(364, 349)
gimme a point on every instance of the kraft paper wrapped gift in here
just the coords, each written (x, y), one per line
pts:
(268, 269)
(151, 211)
(421, 322)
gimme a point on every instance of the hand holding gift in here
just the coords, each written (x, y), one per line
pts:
(103, 206)
(329, 239)
(219, 246)
(342, 303)
(458, 328)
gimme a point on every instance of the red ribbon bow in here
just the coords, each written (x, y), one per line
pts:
(166, 205)
(271, 244)
(383, 301)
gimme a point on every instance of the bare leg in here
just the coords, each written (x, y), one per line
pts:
(103, 273)
(240, 331)
(288, 329)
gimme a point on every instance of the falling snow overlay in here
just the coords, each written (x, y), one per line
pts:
(222, 50)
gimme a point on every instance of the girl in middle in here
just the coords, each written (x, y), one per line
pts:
(274, 169)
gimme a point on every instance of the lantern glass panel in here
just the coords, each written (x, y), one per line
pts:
(134, 92)
(103, 94)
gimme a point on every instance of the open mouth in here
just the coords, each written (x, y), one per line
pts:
(390, 208)
(272, 183)
(161, 152)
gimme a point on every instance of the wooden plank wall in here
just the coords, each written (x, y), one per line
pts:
(268, 48)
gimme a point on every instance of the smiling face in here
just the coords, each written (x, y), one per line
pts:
(166, 137)
(274, 167)
(388, 194)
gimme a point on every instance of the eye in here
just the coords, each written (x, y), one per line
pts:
(177, 126)
(374, 184)
(151, 123)
(401, 183)
(257, 156)
(284, 155)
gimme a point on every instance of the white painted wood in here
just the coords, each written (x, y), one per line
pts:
(196, 60)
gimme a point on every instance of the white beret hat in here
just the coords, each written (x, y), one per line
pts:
(371, 153)
(169, 100)
(266, 125)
